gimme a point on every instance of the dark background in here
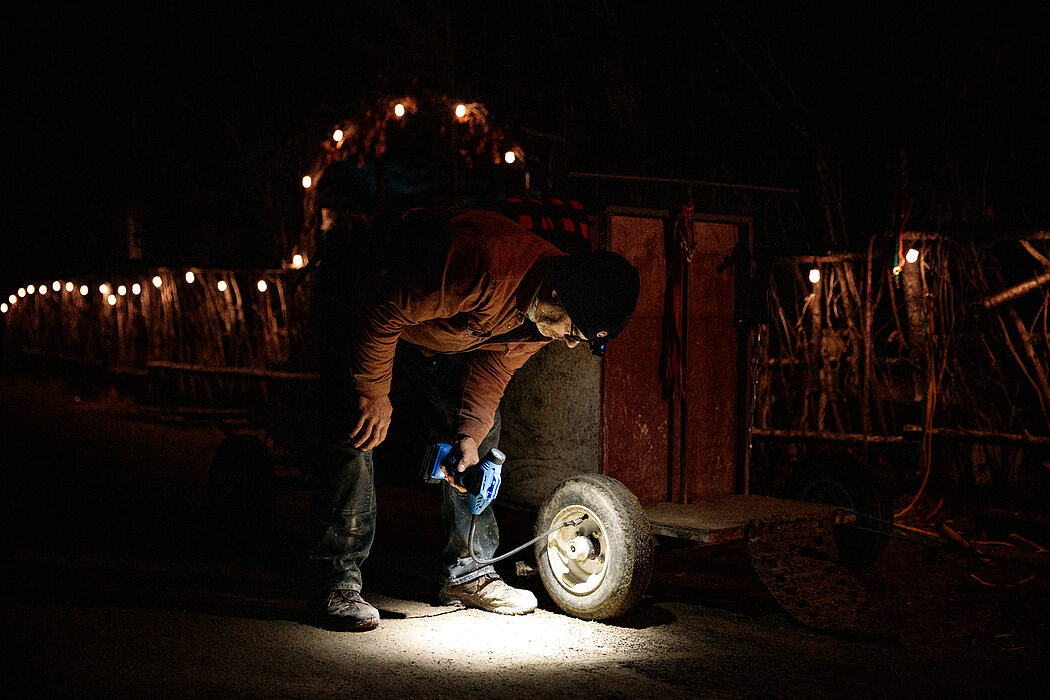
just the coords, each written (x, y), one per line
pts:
(200, 119)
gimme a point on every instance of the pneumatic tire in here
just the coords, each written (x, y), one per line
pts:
(600, 568)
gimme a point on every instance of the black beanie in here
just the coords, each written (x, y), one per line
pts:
(599, 290)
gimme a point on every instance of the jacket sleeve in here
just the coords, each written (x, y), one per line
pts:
(484, 381)
(381, 325)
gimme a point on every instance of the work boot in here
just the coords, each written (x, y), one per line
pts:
(489, 592)
(346, 611)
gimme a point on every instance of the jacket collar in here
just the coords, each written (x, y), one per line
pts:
(531, 282)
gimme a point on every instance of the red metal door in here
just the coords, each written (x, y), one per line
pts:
(684, 449)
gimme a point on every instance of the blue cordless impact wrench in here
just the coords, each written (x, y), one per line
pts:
(482, 482)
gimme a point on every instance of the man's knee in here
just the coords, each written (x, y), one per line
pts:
(341, 461)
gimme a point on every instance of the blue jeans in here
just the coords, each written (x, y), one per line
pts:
(344, 511)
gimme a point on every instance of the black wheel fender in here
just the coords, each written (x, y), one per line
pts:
(842, 480)
(600, 568)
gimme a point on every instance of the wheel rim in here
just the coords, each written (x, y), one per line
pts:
(578, 556)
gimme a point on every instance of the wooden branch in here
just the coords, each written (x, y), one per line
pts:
(914, 290)
(1017, 358)
(1016, 291)
(788, 337)
(992, 437)
(951, 534)
(826, 436)
(910, 435)
(868, 350)
(1007, 552)
(1041, 519)
(1033, 358)
(1036, 254)
(232, 371)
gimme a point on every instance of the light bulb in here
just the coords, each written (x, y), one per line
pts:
(912, 255)
(814, 275)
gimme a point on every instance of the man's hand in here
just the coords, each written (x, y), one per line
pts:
(373, 422)
(467, 450)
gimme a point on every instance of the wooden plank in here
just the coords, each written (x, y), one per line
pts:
(726, 518)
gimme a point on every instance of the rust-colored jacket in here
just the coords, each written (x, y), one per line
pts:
(474, 301)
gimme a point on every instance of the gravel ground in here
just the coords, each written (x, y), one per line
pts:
(114, 586)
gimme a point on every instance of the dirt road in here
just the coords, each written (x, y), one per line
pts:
(115, 586)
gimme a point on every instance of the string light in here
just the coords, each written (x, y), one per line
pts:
(814, 275)
(400, 109)
(912, 255)
(3, 308)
